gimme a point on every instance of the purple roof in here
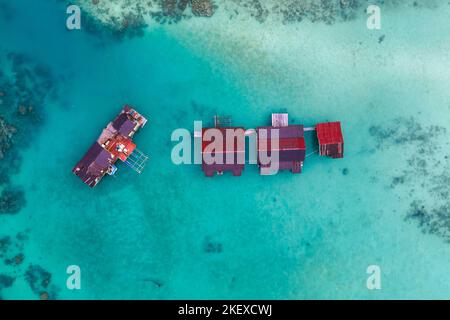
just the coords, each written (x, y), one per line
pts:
(93, 165)
(292, 155)
(120, 120)
(124, 125)
(287, 159)
(294, 131)
(126, 128)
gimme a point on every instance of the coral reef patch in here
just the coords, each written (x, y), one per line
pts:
(320, 11)
(11, 249)
(6, 134)
(11, 254)
(39, 281)
(432, 220)
(292, 11)
(210, 246)
(426, 173)
(25, 88)
(5, 282)
(11, 201)
(5, 243)
(175, 10)
(128, 18)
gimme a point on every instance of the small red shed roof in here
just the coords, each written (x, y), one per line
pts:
(329, 133)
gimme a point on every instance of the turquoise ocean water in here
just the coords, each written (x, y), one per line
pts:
(308, 236)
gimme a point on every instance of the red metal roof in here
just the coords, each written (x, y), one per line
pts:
(329, 133)
(240, 133)
(236, 151)
(121, 147)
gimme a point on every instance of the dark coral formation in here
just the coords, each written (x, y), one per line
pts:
(5, 282)
(426, 173)
(11, 201)
(99, 18)
(203, 8)
(7, 132)
(25, 87)
(24, 90)
(323, 11)
(7, 246)
(16, 260)
(210, 246)
(172, 11)
(11, 252)
(408, 131)
(326, 11)
(434, 220)
(39, 281)
(11, 249)
(132, 24)
(5, 243)
(256, 9)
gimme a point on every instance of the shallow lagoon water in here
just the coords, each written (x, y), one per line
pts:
(281, 237)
